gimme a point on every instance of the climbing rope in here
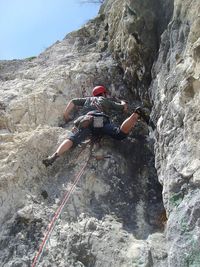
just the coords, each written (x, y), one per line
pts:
(58, 213)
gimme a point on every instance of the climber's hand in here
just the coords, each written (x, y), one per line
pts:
(62, 124)
(74, 130)
(67, 118)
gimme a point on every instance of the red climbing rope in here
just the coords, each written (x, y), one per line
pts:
(57, 214)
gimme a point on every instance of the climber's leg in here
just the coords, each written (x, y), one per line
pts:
(73, 140)
(113, 131)
(120, 133)
(64, 146)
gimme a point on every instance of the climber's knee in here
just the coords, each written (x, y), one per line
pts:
(80, 136)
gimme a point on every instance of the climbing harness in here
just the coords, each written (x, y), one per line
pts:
(92, 118)
(59, 211)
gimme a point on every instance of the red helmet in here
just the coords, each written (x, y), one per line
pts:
(98, 90)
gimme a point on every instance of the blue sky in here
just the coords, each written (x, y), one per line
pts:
(28, 27)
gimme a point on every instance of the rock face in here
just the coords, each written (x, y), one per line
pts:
(116, 215)
(176, 100)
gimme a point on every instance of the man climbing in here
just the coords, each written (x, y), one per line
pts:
(95, 121)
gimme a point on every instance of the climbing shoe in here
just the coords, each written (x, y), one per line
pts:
(50, 160)
(143, 114)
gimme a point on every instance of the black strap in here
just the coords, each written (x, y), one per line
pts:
(97, 114)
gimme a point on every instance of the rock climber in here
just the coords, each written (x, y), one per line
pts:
(95, 121)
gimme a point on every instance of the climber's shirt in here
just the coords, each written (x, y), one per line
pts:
(96, 107)
(100, 103)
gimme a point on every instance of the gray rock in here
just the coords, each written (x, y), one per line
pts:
(116, 215)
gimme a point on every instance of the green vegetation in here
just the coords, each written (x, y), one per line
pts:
(30, 58)
(176, 199)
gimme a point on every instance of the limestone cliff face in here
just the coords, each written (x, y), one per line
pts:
(142, 51)
(176, 100)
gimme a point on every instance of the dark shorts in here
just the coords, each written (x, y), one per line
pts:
(108, 129)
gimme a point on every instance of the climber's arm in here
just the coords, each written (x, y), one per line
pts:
(70, 106)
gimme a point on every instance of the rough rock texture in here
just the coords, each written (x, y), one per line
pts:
(116, 215)
(176, 102)
(116, 209)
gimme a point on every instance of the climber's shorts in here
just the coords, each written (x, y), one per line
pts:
(111, 130)
(80, 136)
(108, 129)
